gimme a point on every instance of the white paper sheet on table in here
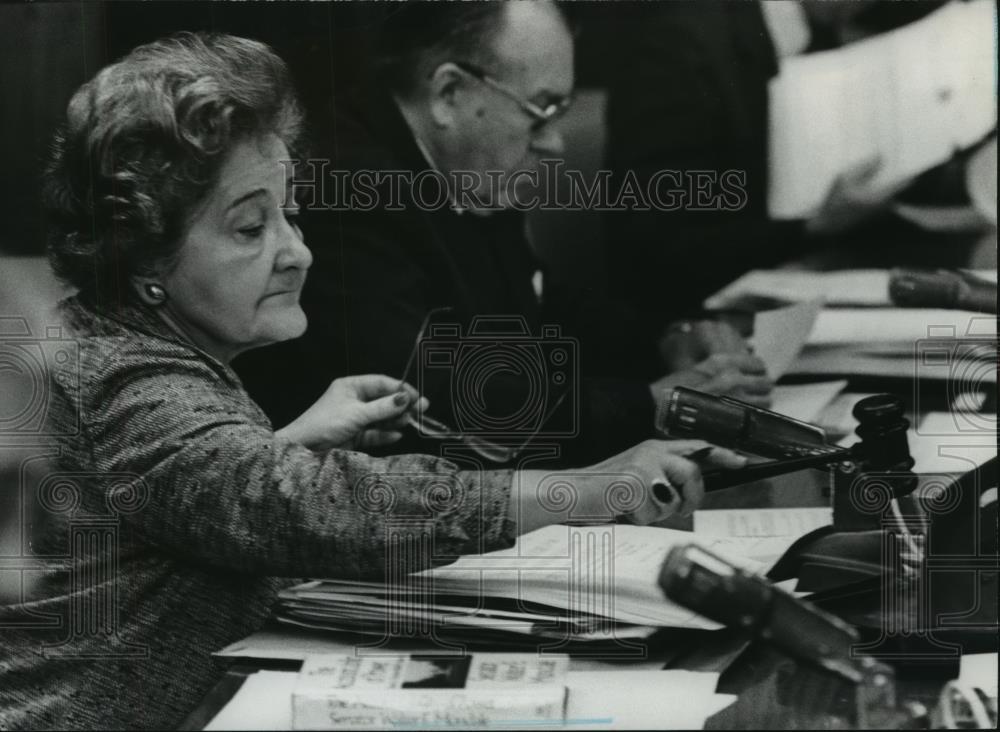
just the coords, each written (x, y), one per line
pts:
(633, 700)
(847, 326)
(946, 442)
(761, 522)
(263, 702)
(642, 699)
(838, 288)
(979, 669)
(805, 401)
(295, 645)
(778, 335)
(843, 360)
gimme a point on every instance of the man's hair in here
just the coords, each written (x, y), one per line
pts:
(417, 34)
(144, 142)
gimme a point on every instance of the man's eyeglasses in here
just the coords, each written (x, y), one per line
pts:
(436, 430)
(541, 115)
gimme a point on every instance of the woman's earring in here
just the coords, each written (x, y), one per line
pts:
(156, 294)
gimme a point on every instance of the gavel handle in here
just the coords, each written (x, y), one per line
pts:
(720, 479)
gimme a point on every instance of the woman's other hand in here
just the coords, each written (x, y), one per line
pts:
(357, 412)
(742, 376)
(647, 483)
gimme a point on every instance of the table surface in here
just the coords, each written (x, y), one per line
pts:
(749, 669)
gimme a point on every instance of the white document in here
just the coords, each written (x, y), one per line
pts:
(805, 401)
(908, 98)
(979, 669)
(296, 645)
(857, 287)
(778, 335)
(629, 699)
(762, 522)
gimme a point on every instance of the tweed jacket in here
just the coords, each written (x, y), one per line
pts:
(172, 511)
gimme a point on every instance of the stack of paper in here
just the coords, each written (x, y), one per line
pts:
(853, 288)
(572, 583)
(913, 343)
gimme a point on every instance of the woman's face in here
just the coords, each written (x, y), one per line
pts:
(236, 282)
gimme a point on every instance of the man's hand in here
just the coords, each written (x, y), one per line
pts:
(357, 412)
(855, 196)
(687, 343)
(742, 376)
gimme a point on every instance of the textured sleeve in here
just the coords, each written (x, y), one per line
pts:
(216, 485)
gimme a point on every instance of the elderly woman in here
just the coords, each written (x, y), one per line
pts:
(177, 506)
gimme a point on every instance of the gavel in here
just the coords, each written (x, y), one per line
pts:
(796, 445)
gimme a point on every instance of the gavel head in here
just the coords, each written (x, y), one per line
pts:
(882, 427)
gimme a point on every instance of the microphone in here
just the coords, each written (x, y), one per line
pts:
(734, 424)
(712, 587)
(942, 288)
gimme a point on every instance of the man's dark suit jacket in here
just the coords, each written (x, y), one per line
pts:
(688, 92)
(377, 273)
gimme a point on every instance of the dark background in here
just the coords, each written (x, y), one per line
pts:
(48, 49)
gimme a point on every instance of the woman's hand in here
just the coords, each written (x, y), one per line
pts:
(742, 376)
(357, 412)
(644, 484)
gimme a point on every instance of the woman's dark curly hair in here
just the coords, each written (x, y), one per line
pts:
(143, 144)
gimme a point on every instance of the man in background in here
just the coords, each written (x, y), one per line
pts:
(463, 103)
